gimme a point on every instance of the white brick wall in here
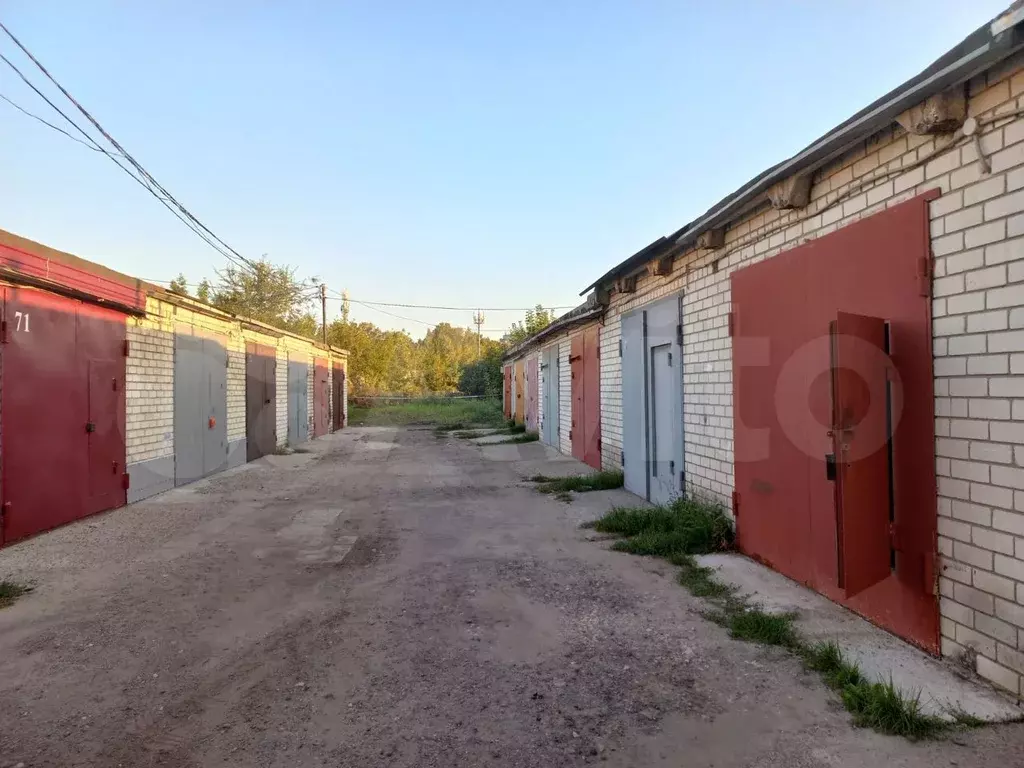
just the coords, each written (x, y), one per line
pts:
(281, 394)
(564, 396)
(977, 228)
(149, 392)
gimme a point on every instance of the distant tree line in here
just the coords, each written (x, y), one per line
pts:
(381, 362)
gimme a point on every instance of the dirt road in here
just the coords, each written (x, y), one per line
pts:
(394, 599)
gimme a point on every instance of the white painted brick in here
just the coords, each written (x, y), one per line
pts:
(996, 673)
(1004, 251)
(1004, 206)
(948, 244)
(993, 541)
(1008, 341)
(1009, 566)
(984, 190)
(968, 345)
(996, 320)
(948, 326)
(1011, 522)
(985, 234)
(996, 628)
(1011, 612)
(990, 277)
(991, 495)
(966, 302)
(968, 217)
(964, 260)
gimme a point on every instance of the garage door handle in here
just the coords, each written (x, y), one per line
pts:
(267, 401)
(90, 427)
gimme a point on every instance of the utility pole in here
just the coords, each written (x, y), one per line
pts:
(323, 306)
(478, 321)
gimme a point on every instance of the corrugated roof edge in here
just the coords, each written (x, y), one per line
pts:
(983, 48)
(586, 311)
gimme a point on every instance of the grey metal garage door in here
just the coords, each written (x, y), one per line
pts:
(298, 402)
(200, 407)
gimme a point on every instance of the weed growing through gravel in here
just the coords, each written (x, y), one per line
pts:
(597, 481)
(11, 591)
(468, 434)
(881, 706)
(525, 437)
(690, 527)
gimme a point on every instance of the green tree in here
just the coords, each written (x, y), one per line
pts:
(179, 285)
(483, 377)
(268, 293)
(537, 319)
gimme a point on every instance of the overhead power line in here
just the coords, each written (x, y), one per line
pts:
(48, 123)
(338, 296)
(230, 253)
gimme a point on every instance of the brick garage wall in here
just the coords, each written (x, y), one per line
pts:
(978, 289)
(563, 341)
(149, 385)
(149, 391)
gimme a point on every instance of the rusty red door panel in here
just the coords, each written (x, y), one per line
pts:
(592, 397)
(861, 448)
(787, 511)
(101, 335)
(508, 392)
(62, 412)
(338, 396)
(321, 398)
(577, 434)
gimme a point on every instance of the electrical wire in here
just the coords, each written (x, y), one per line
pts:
(235, 257)
(114, 159)
(337, 296)
(48, 123)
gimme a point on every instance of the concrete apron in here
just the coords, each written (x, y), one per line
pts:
(880, 655)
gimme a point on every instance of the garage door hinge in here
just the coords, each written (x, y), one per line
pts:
(924, 275)
(126, 349)
(679, 334)
(622, 458)
(3, 332)
(3, 512)
(620, 347)
(126, 480)
(732, 323)
(682, 480)
(599, 445)
(669, 359)
(735, 503)
(931, 573)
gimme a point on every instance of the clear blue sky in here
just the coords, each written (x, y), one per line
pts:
(464, 153)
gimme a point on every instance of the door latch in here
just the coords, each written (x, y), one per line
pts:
(830, 466)
(90, 426)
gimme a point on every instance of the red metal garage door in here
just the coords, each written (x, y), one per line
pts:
(321, 399)
(63, 411)
(532, 394)
(816, 498)
(584, 365)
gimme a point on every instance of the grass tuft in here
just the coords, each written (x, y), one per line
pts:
(11, 591)
(564, 496)
(597, 481)
(755, 625)
(701, 580)
(883, 707)
(685, 526)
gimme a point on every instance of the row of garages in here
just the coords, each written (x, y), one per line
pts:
(835, 353)
(113, 389)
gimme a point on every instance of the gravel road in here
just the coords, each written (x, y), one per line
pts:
(395, 599)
